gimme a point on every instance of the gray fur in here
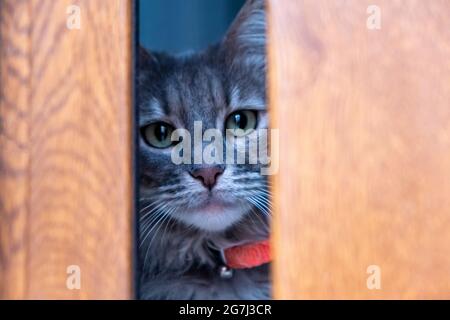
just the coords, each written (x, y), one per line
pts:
(176, 240)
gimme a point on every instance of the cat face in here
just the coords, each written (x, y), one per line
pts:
(221, 88)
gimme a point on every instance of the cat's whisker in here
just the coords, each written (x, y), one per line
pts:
(166, 217)
(259, 206)
(264, 189)
(252, 219)
(157, 205)
(161, 216)
(264, 199)
(148, 246)
(149, 227)
(157, 213)
(148, 206)
(145, 226)
(263, 196)
(264, 203)
(152, 206)
(169, 224)
(263, 222)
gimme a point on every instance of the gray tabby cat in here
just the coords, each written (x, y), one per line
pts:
(188, 212)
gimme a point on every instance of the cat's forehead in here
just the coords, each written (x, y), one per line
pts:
(196, 90)
(193, 92)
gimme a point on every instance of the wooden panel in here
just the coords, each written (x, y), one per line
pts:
(65, 141)
(14, 156)
(364, 119)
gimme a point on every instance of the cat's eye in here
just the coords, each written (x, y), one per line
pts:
(158, 135)
(241, 122)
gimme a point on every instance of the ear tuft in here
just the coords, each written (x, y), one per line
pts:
(246, 39)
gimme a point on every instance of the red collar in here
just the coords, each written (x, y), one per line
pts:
(248, 255)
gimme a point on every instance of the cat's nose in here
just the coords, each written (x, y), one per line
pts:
(208, 175)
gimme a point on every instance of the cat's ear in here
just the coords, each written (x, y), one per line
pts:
(245, 41)
(148, 65)
(146, 60)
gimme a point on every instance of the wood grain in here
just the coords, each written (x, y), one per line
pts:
(14, 156)
(65, 140)
(364, 119)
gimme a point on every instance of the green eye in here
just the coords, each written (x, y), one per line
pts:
(244, 120)
(158, 135)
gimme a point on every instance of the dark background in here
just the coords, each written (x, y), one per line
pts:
(176, 26)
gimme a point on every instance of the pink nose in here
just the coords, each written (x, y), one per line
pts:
(207, 175)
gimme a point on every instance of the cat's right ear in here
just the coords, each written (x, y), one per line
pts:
(245, 41)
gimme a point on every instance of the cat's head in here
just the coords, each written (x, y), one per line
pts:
(223, 87)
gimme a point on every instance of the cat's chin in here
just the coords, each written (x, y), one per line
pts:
(213, 217)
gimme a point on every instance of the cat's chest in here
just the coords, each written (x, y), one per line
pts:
(247, 284)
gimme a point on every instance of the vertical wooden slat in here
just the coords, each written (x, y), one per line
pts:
(66, 162)
(14, 153)
(364, 119)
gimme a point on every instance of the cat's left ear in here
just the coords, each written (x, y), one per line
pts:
(245, 41)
